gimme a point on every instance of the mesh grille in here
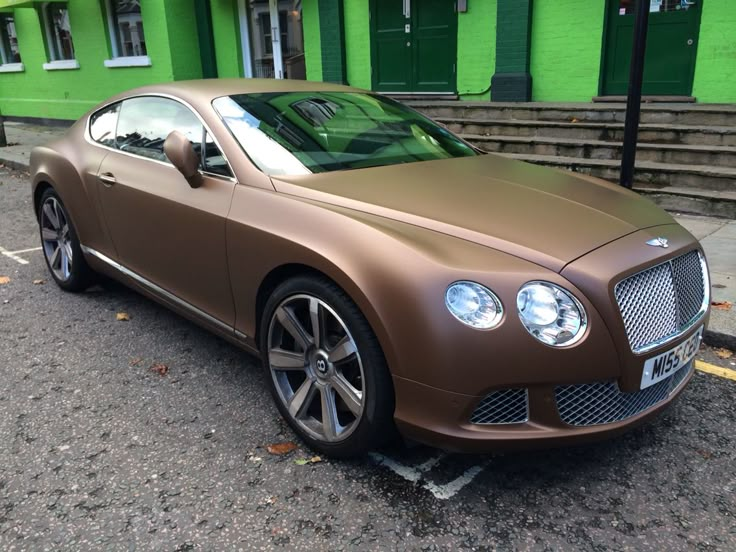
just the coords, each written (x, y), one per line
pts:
(598, 403)
(507, 406)
(660, 302)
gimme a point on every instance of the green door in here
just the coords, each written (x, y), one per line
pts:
(672, 40)
(414, 45)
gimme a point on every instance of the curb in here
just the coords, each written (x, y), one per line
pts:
(720, 339)
(16, 165)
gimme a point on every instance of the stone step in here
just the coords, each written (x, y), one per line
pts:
(683, 114)
(685, 200)
(648, 174)
(681, 154)
(609, 132)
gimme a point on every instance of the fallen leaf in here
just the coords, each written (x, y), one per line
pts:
(724, 353)
(135, 361)
(122, 317)
(39, 282)
(4, 280)
(281, 448)
(305, 461)
(159, 367)
(705, 454)
(573, 120)
(722, 305)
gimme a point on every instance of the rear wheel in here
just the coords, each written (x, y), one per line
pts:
(326, 369)
(60, 245)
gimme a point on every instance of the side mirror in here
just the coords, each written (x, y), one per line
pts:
(180, 152)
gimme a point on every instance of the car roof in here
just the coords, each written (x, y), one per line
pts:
(203, 91)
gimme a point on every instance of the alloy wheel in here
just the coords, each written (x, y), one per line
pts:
(316, 368)
(56, 238)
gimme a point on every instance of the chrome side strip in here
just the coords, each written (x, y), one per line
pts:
(158, 290)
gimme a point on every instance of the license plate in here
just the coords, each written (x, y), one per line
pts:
(664, 365)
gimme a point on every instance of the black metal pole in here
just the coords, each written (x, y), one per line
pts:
(633, 100)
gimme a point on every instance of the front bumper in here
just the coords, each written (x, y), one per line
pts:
(443, 419)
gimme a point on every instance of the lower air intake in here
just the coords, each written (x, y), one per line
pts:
(598, 403)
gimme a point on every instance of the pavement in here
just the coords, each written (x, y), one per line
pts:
(718, 235)
(101, 448)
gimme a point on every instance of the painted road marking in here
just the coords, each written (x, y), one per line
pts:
(14, 254)
(715, 370)
(418, 474)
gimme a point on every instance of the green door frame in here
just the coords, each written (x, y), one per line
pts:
(374, 55)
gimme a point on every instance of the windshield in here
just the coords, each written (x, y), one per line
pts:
(287, 133)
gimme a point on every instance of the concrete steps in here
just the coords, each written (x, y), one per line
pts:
(682, 114)
(654, 133)
(686, 156)
(721, 156)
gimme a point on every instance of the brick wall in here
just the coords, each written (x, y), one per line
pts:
(476, 49)
(567, 39)
(715, 64)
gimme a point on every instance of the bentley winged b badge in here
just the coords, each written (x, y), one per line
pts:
(659, 242)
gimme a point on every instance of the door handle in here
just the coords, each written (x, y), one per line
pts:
(107, 179)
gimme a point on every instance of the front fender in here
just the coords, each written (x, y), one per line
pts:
(397, 274)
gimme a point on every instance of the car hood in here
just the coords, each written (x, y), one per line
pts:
(543, 215)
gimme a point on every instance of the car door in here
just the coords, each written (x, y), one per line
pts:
(164, 231)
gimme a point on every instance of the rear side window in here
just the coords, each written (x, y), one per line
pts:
(102, 125)
(144, 123)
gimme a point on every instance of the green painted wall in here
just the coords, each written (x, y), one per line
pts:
(67, 94)
(715, 64)
(226, 30)
(358, 43)
(476, 49)
(312, 42)
(567, 38)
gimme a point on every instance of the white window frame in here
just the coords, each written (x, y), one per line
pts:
(278, 62)
(54, 64)
(118, 60)
(6, 67)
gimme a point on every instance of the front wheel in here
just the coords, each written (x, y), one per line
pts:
(326, 369)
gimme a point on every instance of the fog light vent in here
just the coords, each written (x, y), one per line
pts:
(506, 406)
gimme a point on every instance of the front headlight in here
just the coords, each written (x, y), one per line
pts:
(474, 305)
(551, 314)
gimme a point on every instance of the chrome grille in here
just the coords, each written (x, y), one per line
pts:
(661, 302)
(598, 403)
(507, 406)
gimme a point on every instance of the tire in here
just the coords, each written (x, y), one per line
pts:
(60, 244)
(307, 375)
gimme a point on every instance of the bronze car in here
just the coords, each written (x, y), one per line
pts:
(389, 274)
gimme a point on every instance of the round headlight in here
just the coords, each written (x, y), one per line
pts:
(551, 314)
(474, 305)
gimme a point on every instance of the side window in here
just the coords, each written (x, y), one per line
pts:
(102, 125)
(126, 27)
(58, 30)
(144, 123)
(9, 52)
(213, 161)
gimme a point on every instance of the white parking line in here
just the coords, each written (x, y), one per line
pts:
(415, 474)
(14, 254)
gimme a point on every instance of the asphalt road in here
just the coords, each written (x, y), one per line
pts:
(100, 452)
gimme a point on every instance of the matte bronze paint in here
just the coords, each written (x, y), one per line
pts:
(394, 238)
